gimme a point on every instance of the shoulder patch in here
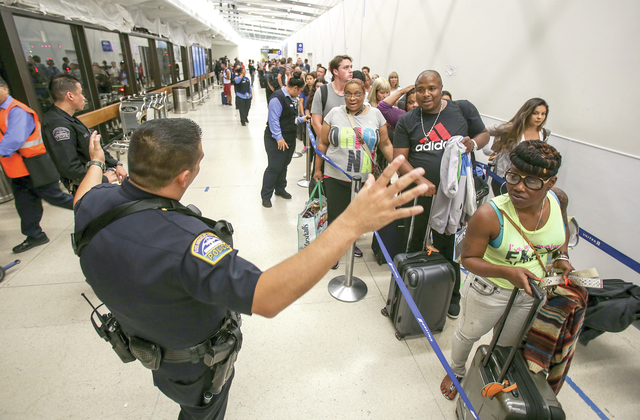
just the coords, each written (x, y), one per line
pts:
(210, 248)
(61, 133)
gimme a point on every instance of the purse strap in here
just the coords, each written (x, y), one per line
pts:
(358, 136)
(544, 268)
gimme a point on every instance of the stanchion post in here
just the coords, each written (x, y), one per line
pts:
(348, 288)
(304, 183)
(193, 103)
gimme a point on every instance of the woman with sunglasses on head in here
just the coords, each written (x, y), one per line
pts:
(498, 256)
(527, 124)
(350, 136)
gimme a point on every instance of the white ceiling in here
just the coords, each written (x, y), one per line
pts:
(271, 20)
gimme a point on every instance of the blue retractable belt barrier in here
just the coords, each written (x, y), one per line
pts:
(423, 325)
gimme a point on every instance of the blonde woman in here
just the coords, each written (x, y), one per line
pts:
(394, 81)
(379, 90)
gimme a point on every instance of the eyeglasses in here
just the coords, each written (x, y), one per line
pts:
(532, 182)
(355, 95)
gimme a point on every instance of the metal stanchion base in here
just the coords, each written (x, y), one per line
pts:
(356, 292)
(304, 183)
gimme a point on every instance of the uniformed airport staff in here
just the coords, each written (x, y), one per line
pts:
(67, 138)
(280, 138)
(171, 280)
(20, 138)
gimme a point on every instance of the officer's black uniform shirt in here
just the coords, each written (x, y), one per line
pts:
(164, 275)
(66, 139)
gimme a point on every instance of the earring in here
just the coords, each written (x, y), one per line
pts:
(504, 184)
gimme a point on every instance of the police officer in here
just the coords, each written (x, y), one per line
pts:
(20, 138)
(171, 280)
(67, 138)
(280, 138)
(243, 94)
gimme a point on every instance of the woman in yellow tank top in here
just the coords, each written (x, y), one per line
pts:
(498, 257)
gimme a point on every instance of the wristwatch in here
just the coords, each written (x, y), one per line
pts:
(96, 163)
(118, 163)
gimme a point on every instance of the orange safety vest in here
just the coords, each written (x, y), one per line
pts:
(14, 165)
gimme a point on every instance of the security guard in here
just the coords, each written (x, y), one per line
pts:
(170, 279)
(20, 138)
(280, 138)
(67, 138)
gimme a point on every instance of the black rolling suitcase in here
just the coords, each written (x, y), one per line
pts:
(393, 238)
(430, 279)
(533, 397)
(224, 99)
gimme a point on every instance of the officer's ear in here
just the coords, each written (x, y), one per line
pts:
(184, 178)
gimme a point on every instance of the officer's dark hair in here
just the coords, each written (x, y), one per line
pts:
(60, 84)
(335, 63)
(161, 149)
(296, 80)
(536, 157)
(3, 83)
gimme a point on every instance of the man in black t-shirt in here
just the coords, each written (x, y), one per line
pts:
(420, 136)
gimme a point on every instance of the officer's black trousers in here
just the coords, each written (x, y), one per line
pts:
(243, 106)
(28, 200)
(186, 383)
(275, 176)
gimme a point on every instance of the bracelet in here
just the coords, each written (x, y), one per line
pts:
(475, 145)
(560, 257)
(555, 254)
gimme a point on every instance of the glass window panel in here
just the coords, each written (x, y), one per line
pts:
(49, 50)
(108, 65)
(141, 62)
(177, 68)
(162, 51)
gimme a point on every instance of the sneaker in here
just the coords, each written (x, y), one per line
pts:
(243, 124)
(283, 194)
(454, 310)
(266, 203)
(30, 243)
(357, 252)
(336, 265)
(297, 154)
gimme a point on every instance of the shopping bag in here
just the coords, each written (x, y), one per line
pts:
(313, 219)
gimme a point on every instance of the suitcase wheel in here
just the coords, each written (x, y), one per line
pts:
(384, 312)
(399, 336)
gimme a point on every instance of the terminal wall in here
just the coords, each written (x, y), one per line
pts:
(580, 56)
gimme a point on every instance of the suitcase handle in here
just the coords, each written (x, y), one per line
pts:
(539, 299)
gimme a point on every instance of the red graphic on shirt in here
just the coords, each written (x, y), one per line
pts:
(438, 133)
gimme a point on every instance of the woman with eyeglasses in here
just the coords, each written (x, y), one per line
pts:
(498, 256)
(351, 135)
(527, 124)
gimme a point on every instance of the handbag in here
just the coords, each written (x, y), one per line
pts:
(314, 218)
(376, 169)
(42, 170)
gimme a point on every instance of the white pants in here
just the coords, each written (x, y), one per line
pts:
(482, 305)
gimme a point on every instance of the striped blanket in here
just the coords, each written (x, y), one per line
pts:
(552, 339)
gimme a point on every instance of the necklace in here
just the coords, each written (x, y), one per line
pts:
(426, 135)
(537, 224)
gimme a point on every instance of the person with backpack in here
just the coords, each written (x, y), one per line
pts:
(226, 80)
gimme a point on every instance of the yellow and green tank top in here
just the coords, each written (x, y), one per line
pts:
(511, 249)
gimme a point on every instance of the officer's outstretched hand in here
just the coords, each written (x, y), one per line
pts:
(378, 204)
(95, 148)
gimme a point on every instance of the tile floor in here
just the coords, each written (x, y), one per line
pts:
(318, 359)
